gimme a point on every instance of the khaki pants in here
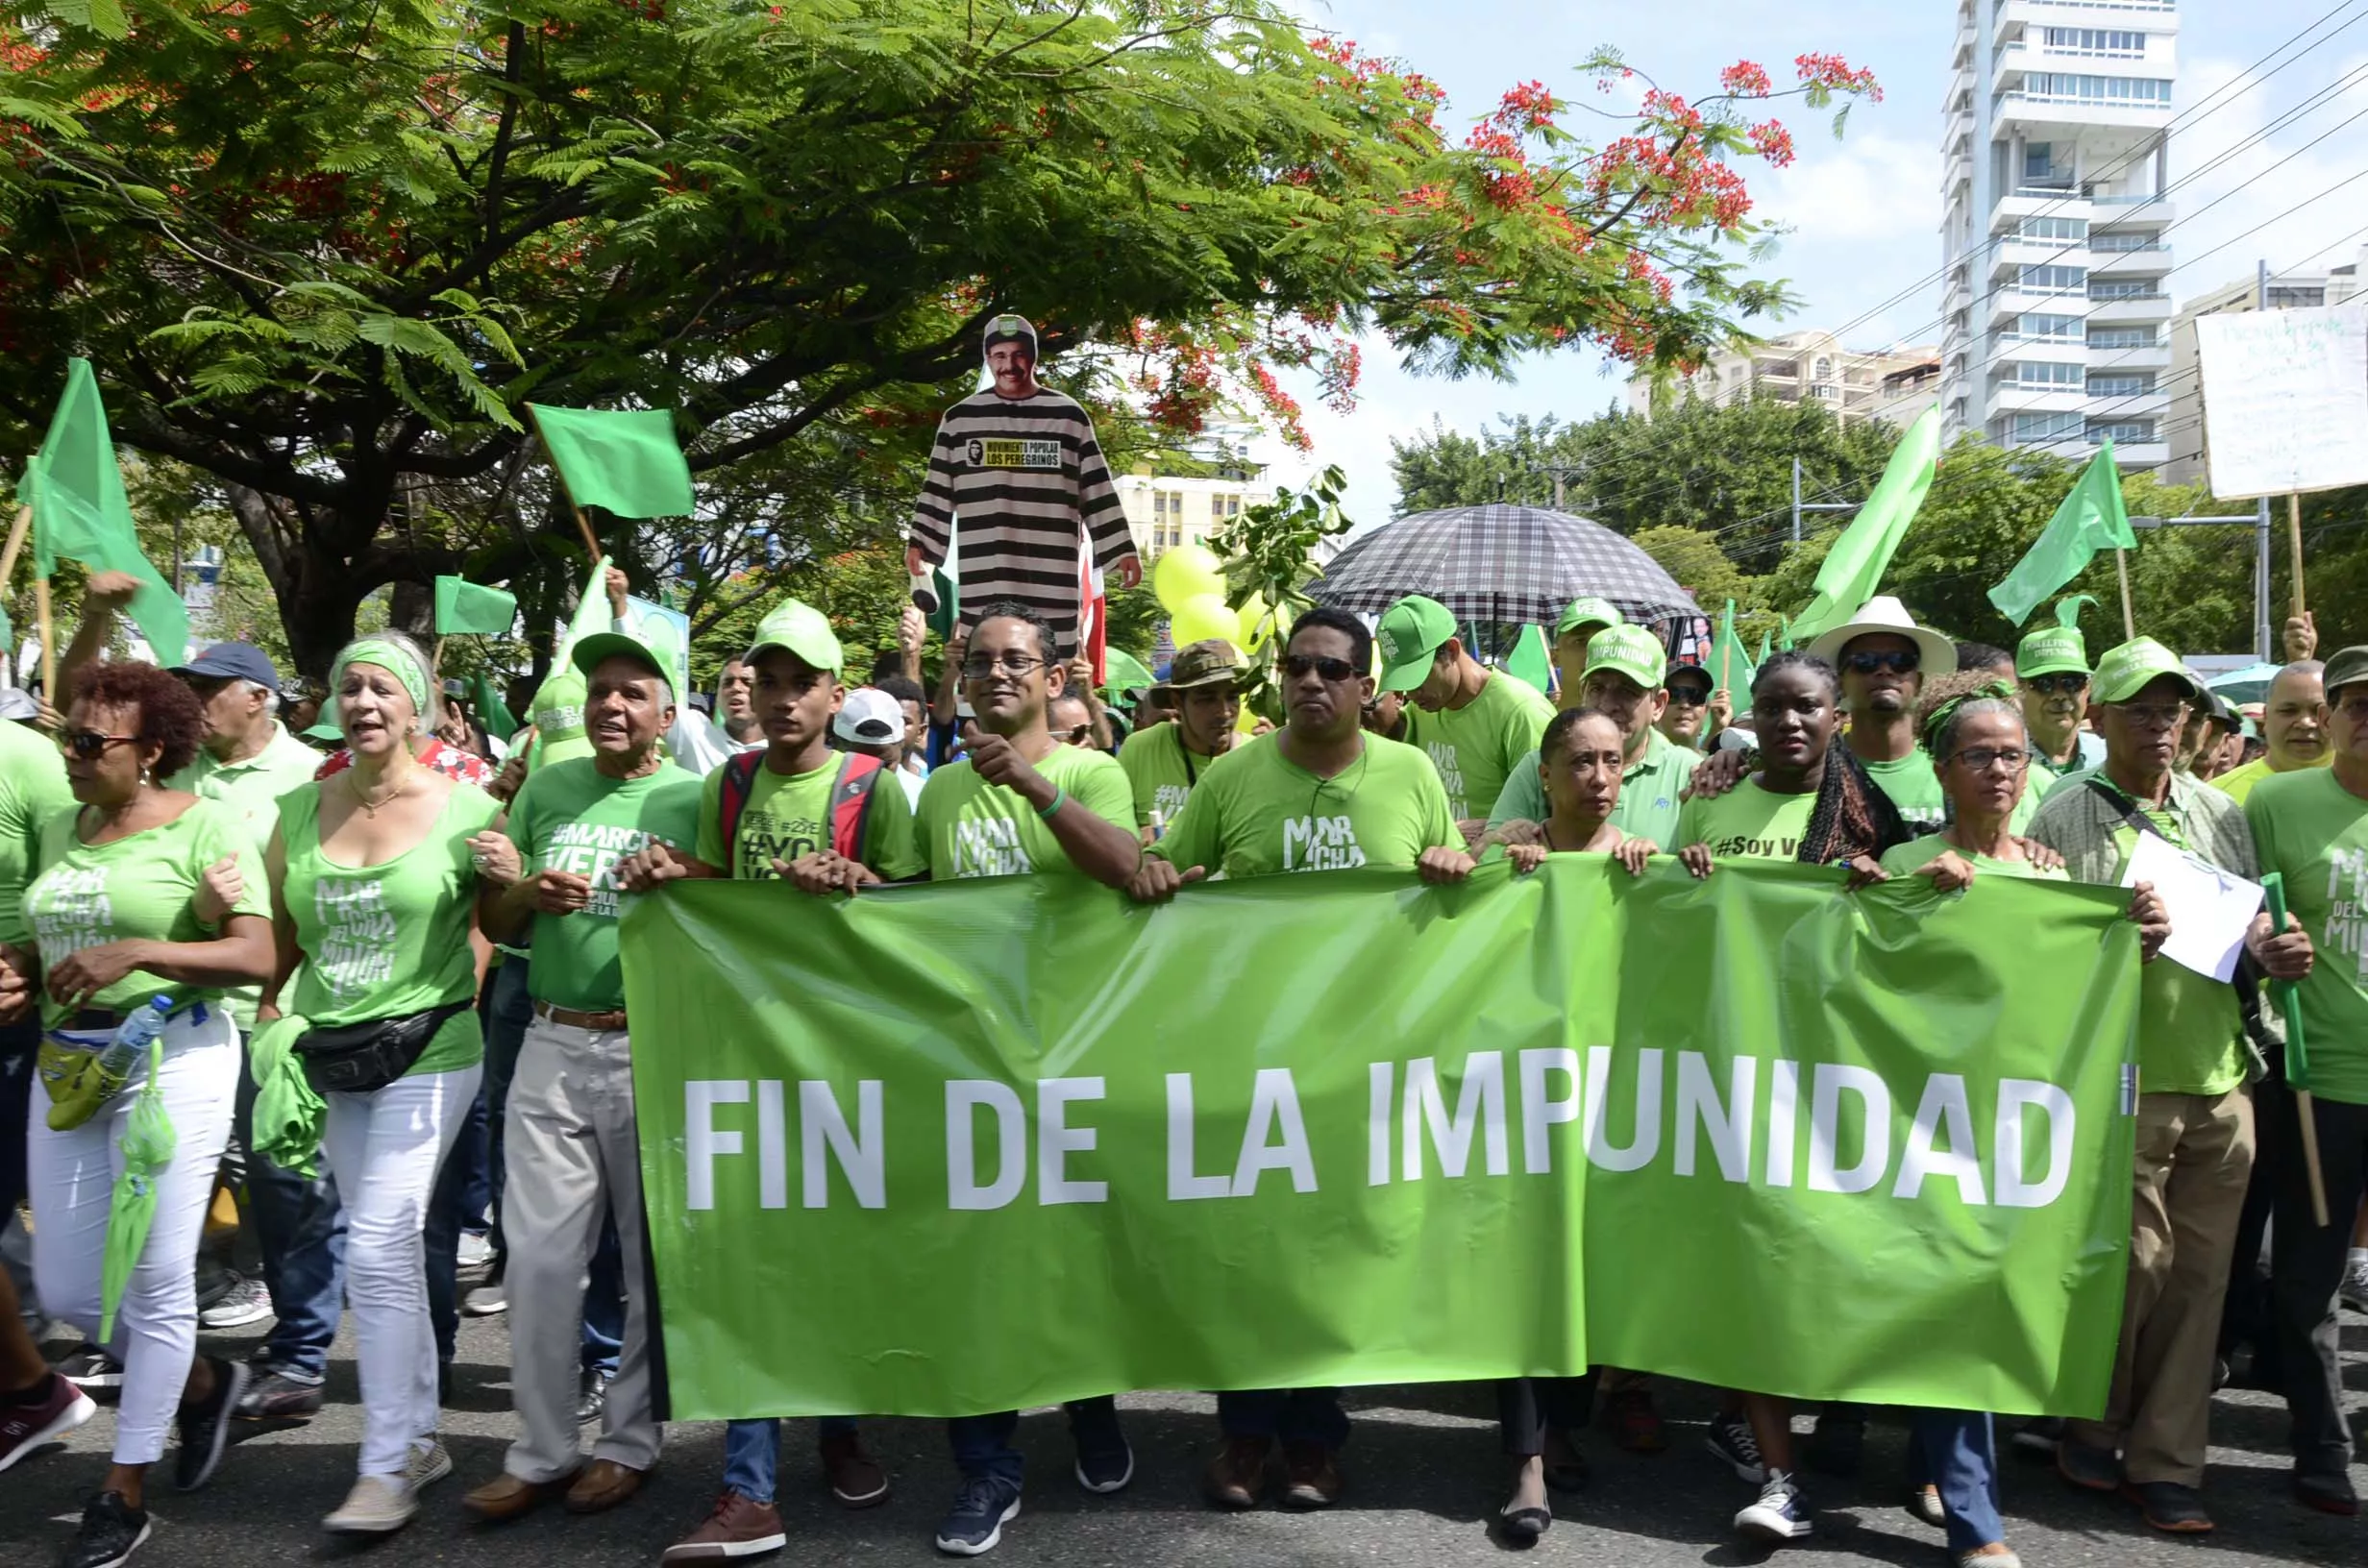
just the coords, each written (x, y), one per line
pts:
(2194, 1156)
(568, 1143)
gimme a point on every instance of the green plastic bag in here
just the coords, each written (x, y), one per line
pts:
(148, 1143)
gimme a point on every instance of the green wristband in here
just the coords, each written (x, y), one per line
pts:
(1060, 798)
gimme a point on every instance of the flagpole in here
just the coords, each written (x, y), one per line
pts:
(2293, 539)
(589, 542)
(16, 544)
(2121, 567)
(49, 651)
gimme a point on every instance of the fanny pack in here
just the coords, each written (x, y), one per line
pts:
(360, 1057)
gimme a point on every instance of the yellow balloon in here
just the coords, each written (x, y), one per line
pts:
(1201, 618)
(1184, 573)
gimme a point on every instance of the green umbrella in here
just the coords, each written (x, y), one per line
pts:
(148, 1144)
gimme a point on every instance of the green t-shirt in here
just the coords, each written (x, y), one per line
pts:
(1256, 813)
(2309, 827)
(2040, 779)
(1913, 788)
(1907, 859)
(1477, 746)
(1161, 771)
(966, 826)
(250, 791)
(139, 887)
(384, 942)
(1750, 821)
(1649, 792)
(787, 816)
(33, 788)
(571, 816)
(2192, 1037)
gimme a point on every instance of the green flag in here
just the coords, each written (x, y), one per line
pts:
(1125, 671)
(1762, 658)
(2092, 518)
(491, 711)
(592, 613)
(1853, 569)
(1528, 661)
(81, 512)
(461, 605)
(622, 460)
(1730, 667)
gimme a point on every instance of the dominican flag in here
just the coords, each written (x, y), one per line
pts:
(1092, 610)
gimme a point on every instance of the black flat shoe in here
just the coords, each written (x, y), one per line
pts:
(1522, 1527)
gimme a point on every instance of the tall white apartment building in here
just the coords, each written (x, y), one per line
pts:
(2054, 149)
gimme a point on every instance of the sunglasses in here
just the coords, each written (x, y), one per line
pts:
(2058, 685)
(1898, 661)
(1330, 669)
(91, 746)
(1689, 695)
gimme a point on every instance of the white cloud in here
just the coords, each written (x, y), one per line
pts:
(1869, 188)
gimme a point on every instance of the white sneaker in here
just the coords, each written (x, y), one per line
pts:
(429, 1462)
(2355, 1291)
(473, 1251)
(376, 1506)
(1781, 1513)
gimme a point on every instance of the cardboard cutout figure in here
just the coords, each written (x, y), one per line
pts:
(1019, 468)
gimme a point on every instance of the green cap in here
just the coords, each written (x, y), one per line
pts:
(559, 719)
(2124, 671)
(2052, 651)
(2346, 667)
(1590, 611)
(800, 629)
(590, 651)
(326, 730)
(1412, 632)
(1633, 651)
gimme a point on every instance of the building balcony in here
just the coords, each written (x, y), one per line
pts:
(2140, 455)
(2046, 117)
(2146, 261)
(2119, 210)
(2016, 346)
(2037, 200)
(2141, 310)
(2154, 356)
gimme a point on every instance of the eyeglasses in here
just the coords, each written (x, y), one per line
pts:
(979, 666)
(1866, 664)
(91, 746)
(2058, 685)
(2153, 716)
(1299, 664)
(1982, 758)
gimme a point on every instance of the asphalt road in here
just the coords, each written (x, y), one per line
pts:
(1422, 1469)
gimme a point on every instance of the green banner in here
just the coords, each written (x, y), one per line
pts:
(950, 1149)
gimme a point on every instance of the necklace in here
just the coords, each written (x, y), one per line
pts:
(370, 807)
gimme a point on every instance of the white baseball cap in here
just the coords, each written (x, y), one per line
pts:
(869, 717)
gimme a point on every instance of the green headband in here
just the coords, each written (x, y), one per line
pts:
(1937, 721)
(394, 659)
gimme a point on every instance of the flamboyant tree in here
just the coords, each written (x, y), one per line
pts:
(325, 255)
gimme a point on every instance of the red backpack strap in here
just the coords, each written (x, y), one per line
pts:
(851, 802)
(739, 781)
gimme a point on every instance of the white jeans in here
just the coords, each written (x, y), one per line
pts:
(72, 1179)
(383, 1149)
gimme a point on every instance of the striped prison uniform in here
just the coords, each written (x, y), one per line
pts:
(1027, 477)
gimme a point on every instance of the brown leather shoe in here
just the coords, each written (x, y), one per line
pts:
(1311, 1480)
(603, 1484)
(506, 1497)
(1237, 1475)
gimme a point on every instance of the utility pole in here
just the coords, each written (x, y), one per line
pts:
(1798, 507)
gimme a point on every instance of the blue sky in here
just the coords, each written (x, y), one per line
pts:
(1864, 211)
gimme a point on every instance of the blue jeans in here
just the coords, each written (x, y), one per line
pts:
(603, 1303)
(753, 1453)
(508, 1009)
(300, 1229)
(1296, 1415)
(447, 1216)
(1957, 1452)
(983, 1443)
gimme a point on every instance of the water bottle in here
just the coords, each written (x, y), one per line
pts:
(141, 1026)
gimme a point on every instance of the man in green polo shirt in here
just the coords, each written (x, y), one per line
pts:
(1163, 762)
(571, 1146)
(1474, 721)
(2195, 1132)
(2294, 727)
(1625, 670)
(1318, 794)
(2051, 665)
(248, 761)
(2311, 826)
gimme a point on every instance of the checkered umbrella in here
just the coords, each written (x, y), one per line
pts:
(1512, 564)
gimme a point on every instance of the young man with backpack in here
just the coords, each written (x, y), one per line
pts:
(1021, 803)
(762, 811)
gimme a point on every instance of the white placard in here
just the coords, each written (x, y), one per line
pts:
(2286, 399)
(2211, 907)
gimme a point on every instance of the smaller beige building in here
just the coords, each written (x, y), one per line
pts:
(1809, 365)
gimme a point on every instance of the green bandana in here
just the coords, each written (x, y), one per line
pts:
(393, 658)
